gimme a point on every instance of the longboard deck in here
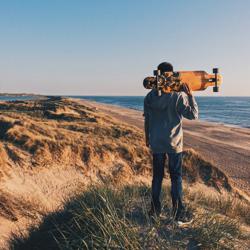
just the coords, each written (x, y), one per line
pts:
(197, 80)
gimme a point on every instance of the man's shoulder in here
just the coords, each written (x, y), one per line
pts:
(149, 94)
(175, 95)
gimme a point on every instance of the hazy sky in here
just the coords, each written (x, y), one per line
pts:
(107, 47)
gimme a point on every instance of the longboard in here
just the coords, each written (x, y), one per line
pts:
(173, 81)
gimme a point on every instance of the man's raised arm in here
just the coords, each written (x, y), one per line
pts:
(186, 105)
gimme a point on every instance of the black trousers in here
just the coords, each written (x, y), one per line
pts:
(175, 170)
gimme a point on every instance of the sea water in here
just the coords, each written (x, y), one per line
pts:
(17, 98)
(227, 110)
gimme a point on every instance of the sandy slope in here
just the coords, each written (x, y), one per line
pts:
(49, 149)
(227, 147)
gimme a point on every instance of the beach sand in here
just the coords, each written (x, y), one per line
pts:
(227, 147)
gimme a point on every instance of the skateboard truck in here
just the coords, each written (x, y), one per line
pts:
(157, 74)
(215, 72)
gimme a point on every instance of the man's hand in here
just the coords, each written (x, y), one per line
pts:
(187, 89)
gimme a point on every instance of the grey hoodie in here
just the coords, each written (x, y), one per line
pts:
(163, 119)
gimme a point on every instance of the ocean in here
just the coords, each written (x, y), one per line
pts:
(17, 98)
(226, 110)
(234, 111)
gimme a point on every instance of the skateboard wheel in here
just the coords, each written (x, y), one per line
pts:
(146, 84)
(215, 70)
(215, 89)
(149, 82)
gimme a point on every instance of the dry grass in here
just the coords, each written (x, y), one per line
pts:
(65, 138)
(228, 204)
(108, 218)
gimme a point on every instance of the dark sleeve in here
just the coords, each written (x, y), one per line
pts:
(187, 107)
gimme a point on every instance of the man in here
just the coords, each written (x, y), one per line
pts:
(163, 132)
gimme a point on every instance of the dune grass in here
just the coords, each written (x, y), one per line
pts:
(225, 203)
(107, 218)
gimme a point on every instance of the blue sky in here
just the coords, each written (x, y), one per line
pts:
(107, 47)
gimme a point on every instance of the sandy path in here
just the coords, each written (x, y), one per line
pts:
(227, 147)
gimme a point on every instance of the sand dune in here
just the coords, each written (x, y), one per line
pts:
(51, 149)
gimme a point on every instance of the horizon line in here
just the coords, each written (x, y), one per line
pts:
(105, 95)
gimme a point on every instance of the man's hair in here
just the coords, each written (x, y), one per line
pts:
(165, 67)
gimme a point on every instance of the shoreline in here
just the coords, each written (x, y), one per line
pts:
(226, 147)
(202, 120)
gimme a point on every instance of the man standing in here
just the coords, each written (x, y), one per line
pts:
(163, 132)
